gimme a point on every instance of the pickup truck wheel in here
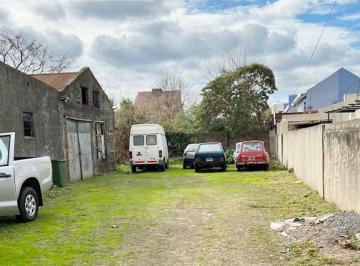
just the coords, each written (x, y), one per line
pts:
(133, 169)
(28, 204)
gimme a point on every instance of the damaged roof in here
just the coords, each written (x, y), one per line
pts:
(59, 81)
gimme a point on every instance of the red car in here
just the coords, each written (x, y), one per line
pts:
(252, 153)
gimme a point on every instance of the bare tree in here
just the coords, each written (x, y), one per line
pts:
(29, 55)
(228, 60)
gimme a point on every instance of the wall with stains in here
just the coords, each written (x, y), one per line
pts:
(327, 158)
(21, 93)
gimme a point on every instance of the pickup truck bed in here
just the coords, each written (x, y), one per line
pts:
(22, 182)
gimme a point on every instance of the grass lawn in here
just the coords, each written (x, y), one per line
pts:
(160, 218)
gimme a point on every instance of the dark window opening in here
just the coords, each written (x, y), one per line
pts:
(100, 140)
(84, 95)
(96, 98)
(28, 125)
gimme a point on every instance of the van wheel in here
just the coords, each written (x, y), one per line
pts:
(133, 169)
(28, 203)
(167, 165)
(163, 166)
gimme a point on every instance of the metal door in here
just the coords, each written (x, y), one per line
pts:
(79, 149)
(73, 150)
(84, 134)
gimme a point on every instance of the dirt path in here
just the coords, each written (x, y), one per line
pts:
(215, 231)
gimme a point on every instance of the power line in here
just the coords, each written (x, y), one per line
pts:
(316, 46)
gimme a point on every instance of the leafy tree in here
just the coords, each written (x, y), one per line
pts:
(236, 102)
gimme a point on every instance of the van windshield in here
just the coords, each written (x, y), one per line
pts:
(138, 140)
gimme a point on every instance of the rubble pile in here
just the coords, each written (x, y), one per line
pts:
(341, 228)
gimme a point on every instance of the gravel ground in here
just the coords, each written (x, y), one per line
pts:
(334, 234)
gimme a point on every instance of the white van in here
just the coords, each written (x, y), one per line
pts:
(148, 147)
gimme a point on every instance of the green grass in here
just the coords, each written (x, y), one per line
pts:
(90, 221)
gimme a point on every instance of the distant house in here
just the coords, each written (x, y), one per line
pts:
(327, 92)
(158, 101)
(66, 116)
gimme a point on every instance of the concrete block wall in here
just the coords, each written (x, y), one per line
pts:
(305, 155)
(342, 164)
(327, 158)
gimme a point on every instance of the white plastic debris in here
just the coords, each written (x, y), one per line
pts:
(277, 226)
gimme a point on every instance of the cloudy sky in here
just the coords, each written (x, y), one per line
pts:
(129, 44)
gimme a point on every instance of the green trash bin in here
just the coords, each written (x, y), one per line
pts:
(59, 174)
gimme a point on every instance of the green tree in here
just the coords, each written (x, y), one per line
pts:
(235, 103)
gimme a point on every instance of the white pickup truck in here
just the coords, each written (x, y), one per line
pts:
(22, 181)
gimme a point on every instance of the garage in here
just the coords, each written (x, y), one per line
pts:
(79, 150)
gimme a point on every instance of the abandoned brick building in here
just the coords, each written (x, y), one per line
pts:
(66, 116)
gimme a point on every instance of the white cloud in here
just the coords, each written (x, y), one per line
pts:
(128, 43)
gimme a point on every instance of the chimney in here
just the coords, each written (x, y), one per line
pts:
(157, 91)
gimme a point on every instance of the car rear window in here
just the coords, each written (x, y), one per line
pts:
(192, 147)
(252, 146)
(138, 140)
(151, 140)
(210, 148)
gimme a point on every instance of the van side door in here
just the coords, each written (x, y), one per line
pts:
(7, 177)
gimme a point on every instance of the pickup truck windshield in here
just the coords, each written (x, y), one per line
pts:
(210, 148)
(253, 146)
(4, 150)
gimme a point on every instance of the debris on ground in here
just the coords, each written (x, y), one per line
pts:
(341, 228)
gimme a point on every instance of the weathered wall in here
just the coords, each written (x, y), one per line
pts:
(305, 155)
(21, 93)
(342, 164)
(273, 142)
(326, 157)
(74, 109)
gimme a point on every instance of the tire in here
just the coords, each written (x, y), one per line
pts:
(238, 168)
(223, 169)
(266, 167)
(163, 166)
(28, 203)
(184, 166)
(197, 169)
(167, 165)
(133, 169)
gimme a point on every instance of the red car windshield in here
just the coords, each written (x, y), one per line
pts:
(252, 146)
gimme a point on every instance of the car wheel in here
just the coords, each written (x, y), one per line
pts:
(197, 169)
(28, 203)
(184, 166)
(133, 169)
(266, 167)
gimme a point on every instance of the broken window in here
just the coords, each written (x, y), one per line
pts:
(96, 98)
(100, 140)
(84, 95)
(28, 124)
